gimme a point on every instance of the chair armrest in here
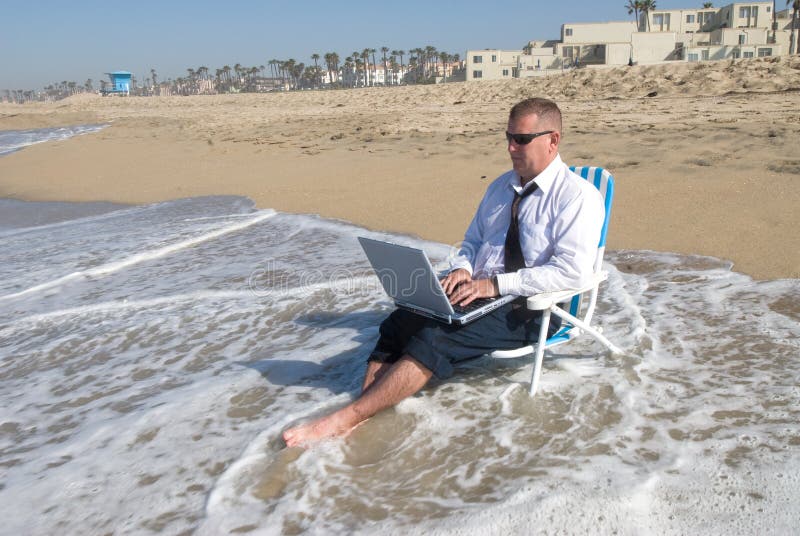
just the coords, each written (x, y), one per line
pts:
(544, 300)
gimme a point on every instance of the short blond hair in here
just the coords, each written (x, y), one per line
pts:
(546, 110)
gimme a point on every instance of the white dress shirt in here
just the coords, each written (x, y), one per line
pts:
(559, 231)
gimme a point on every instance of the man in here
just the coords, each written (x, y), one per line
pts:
(536, 230)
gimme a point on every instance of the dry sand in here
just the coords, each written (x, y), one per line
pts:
(704, 154)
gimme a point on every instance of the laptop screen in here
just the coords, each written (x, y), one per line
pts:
(406, 275)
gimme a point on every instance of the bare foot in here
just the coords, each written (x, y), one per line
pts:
(333, 425)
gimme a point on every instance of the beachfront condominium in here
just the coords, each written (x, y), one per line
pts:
(738, 30)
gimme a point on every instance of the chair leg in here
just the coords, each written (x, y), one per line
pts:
(537, 362)
(588, 329)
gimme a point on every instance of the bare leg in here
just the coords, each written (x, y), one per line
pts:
(403, 379)
(375, 370)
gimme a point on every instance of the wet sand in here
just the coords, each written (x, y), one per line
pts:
(704, 154)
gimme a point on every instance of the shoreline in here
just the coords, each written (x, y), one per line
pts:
(696, 173)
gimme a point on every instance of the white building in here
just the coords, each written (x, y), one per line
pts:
(738, 30)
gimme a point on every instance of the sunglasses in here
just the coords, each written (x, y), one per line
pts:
(525, 139)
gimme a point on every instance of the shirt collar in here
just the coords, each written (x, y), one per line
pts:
(543, 180)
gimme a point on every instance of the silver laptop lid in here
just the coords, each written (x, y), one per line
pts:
(406, 275)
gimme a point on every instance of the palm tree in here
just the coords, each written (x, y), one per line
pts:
(332, 62)
(400, 53)
(192, 79)
(365, 59)
(315, 57)
(355, 55)
(329, 66)
(218, 80)
(359, 79)
(289, 66)
(384, 50)
(634, 6)
(348, 66)
(394, 67)
(374, 65)
(444, 57)
(413, 65)
(646, 7)
(155, 81)
(226, 72)
(415, 59)
(793, 32)
(202, 72)
(237, 69)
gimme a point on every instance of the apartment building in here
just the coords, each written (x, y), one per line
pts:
(375, 76)
(492, 64)
(737, 30)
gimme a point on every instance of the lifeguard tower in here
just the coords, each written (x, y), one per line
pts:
(120, 83)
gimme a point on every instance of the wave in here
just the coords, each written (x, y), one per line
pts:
(14, 140)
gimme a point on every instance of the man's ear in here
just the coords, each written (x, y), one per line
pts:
(555, 139)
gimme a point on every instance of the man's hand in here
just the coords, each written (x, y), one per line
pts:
(453, 279)
(462, 290)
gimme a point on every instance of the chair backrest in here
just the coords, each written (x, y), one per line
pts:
(604, 182)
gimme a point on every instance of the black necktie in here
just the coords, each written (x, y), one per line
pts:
(514, 260)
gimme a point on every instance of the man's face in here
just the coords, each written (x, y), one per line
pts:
(531, 159)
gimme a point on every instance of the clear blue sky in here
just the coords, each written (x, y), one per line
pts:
(46, 41)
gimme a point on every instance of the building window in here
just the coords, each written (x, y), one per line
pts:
(494, 58)
(569, 52)
(477, 74)
(764, 52)
(736, 54)
(505, 72)
(742, 39)
(661, 21)
(693, 57)
(477, 59)
(690, 19)
(568, 32)
(704, 55)
(750, 13)
(746, 54)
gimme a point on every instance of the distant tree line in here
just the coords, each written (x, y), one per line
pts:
(54, 91)
(368, 68)
(359, 69)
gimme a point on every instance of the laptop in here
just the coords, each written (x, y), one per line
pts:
(409, 279)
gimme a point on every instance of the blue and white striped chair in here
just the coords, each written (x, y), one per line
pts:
(577, 320)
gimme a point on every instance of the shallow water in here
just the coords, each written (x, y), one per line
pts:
(14, 140)
(152, 355)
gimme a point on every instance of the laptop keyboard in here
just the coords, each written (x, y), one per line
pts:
(477, 304)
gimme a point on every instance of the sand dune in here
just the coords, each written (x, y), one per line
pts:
(705, 154)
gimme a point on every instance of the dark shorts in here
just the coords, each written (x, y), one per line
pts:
(439, 346)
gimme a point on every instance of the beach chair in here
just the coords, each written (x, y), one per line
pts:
(578, 317)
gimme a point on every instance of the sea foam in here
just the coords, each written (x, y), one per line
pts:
(148, 393)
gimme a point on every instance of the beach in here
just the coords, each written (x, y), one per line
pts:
(703, 154)
(182, 282)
